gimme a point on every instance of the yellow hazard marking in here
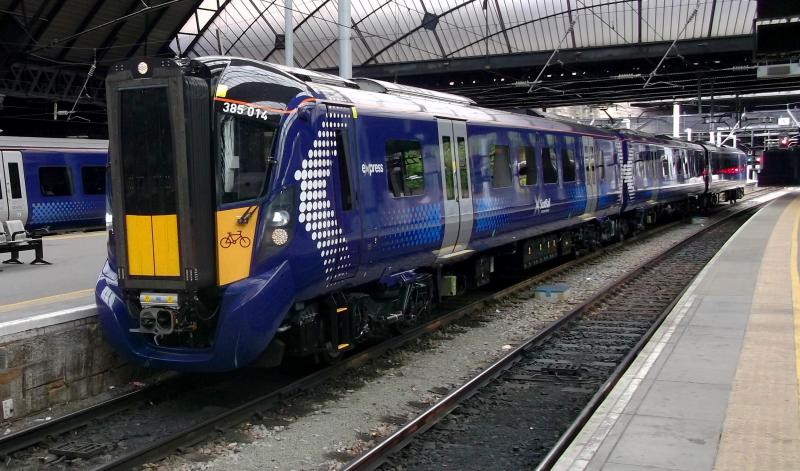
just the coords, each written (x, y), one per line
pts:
(47, 299)
(165, 245)
(342, 346)
(77, 236)
(139, 234)
(234, 245)
(222, 90)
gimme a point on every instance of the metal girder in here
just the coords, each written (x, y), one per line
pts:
(358, 32)
(250, 25)
(535, 20)
(711, 18)
(200, 31)
(503, 26)
(572, 57)
(409, 33)
(639, 11)
(50, 83)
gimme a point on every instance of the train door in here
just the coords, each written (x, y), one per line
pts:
(3, 190)
(590, 165)
(339, 238)
(457, 185)
(15, 200)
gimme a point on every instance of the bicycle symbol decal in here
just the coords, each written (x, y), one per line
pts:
(233, 238)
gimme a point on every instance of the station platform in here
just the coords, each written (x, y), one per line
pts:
(717, 385)
(65, 288)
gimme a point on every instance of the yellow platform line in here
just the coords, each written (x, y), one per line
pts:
(46, 299)
(795, 274)
(77, 236)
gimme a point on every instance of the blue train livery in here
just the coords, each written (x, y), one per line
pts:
(261, 211)
(53, 185)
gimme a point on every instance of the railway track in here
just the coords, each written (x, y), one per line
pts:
(67, 429)
(523, 410)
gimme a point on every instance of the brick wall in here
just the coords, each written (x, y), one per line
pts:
(52, 365)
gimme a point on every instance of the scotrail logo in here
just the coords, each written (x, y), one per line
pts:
(542, 206)
(369, 169)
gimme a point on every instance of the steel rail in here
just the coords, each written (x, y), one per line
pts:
(400, 438)
(33, 435)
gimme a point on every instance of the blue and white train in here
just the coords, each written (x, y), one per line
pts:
(260, 211)
(53, 185)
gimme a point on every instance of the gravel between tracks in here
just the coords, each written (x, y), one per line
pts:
(325, 428)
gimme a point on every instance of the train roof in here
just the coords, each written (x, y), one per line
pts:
(390, 99)
(19, 142)
(658, 139)
(722, 149)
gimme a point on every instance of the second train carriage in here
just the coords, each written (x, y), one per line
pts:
(53, 184)
(264, 209)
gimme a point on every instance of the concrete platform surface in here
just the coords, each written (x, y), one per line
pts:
(30, 290)
(717, 385)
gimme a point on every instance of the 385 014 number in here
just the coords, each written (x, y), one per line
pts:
(242, 109)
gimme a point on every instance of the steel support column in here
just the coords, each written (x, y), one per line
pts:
(345, 50)
(288, 33)
(676, 120)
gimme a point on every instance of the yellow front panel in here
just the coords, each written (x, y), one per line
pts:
(234, 245)
(165, 245)
(139, 233)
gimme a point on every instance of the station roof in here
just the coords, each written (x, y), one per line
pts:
(78, 32)
(408, 31)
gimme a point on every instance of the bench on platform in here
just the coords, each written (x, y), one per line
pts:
(15, 239)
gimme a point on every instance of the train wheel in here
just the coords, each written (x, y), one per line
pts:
(330, 354)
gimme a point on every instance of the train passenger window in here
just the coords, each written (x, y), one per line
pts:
(664, 155)
(447, 158)
(344, 173)
(526, 163)
(16, 186)
(462, 167)
(55, 181)
(499, 166)
(568, 159)
(404, 170)
(549, 160)
(245, 148)
(606, 161)
(94, 180)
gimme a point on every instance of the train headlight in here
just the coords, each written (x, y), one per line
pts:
(280, 236)
(277, 227)
(279, 218)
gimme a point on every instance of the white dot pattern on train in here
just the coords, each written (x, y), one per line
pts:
(317, 210)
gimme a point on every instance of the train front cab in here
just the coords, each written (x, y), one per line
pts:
(176, 292)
